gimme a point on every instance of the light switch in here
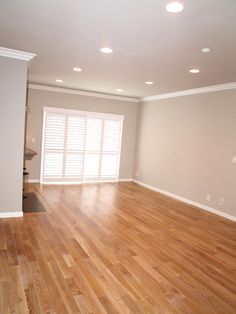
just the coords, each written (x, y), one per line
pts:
(234, 160)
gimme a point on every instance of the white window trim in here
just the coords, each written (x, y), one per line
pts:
(86, 114)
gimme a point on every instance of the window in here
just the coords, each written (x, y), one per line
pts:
(80, 146)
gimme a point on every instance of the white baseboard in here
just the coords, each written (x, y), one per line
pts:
(32, 180)
(79, 182)
(11, 214)
(126, 180)
(185, 200)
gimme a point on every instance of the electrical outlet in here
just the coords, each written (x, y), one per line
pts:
(208, 197)
(221, 201)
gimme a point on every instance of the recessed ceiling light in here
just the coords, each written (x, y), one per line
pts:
(59, 81)
(119, 90)
(106, 50)
(205, 50)
(194, 71)
(77, 69)
(149, 82)
(174, 7)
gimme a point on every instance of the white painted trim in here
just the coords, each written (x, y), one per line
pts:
(32, 181)
(11, 214)
(42, 147)
(126, 180)
(81, 92)
(201, 90)
(61, 183)
(66, 111)
(16, 54)
(119, 150)
(182, 199)
(79, 182)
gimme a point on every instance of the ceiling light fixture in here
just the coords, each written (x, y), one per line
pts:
(106, 50)
(77, 69)
(174, 7)
(119, 90)
(205, 50)
(59, 81)
(149, 82)
(194, 71)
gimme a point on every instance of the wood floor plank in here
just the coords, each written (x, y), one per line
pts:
(116, 248)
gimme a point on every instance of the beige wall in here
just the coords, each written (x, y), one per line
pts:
(38, 98)
(186, 144)
(13, 75)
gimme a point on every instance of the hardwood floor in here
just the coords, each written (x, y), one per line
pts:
(116, 248)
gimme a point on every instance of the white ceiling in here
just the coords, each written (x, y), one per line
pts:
(148, 42)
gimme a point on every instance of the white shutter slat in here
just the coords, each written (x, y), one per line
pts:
(93, 146)
(74, 160)
(54, 141)
(93, 134)
(74, 166)
(111, 136)
(53, 163)
(76, 133)
(55, 136)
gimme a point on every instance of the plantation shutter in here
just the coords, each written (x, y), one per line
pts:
(74, 150)
(110, 148)
(54, 140)
(80, 146)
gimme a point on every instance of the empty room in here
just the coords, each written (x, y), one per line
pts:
(117, 156)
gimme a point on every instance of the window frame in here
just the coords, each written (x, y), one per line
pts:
(87, 114)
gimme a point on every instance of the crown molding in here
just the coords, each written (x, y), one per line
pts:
(80, 92)
(16, 54)
(201, 90)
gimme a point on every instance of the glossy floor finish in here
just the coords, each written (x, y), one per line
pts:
(116, 248)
